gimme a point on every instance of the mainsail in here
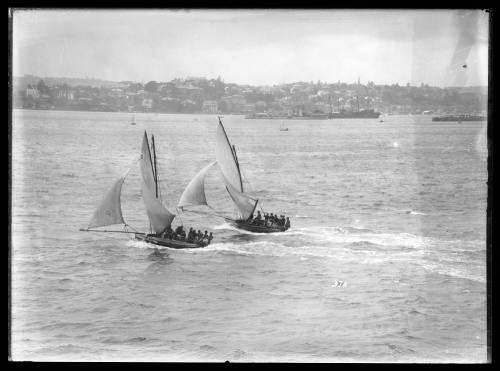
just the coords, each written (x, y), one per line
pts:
(245, 204)
(146, 165)
(109, 211)
(226, 158)
(159, 217)
(194, 194)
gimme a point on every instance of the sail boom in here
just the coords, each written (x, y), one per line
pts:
(104, 231)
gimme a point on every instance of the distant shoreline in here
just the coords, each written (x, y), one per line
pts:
(127, 112)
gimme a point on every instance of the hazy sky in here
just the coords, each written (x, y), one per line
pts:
(258, 47)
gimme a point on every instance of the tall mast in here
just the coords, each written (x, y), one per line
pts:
(233, 150)
(238, 166)
(154, 164)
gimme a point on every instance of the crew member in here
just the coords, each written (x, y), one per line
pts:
(205, 238)
(190, 235)
(257, 219)
(287, 223)
(179, 230)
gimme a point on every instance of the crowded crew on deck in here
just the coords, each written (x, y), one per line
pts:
(193, 236)
(270, 220)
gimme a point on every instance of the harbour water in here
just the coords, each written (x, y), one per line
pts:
(385, 260)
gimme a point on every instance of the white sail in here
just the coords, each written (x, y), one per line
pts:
(109, 211)
(225, 158)
(147, 166)
(159, 217)
(227, 161)
(194, 194)
(245, 204)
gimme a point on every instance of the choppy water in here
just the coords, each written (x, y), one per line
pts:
(394, 210)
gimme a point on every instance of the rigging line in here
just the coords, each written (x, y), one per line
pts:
(247, 181)
(204, 213)
(131, 227)
(179, 215)
(135, 161)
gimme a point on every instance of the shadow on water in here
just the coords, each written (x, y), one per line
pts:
(241, 237)
(160, 257)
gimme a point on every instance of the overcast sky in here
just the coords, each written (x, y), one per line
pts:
(257, 47)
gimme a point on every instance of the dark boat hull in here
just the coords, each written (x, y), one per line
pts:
(459, 118)
(369, 114)
(173, 244)
(242, 224)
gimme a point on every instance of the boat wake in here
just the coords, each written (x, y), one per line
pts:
(242, 231)
(349, 245)
(351, 235)
(142, 245)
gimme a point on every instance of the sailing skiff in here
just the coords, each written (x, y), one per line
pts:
(109, 211)
(245, 205)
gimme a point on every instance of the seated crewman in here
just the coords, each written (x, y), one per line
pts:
(210, 238)
(257, 219)
(269, 221)
(170, 232)
(205, 238)
(190, 235)
(287, 223)
(179, 229)
(182, 235)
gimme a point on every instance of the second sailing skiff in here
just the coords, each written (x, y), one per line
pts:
(245, 205)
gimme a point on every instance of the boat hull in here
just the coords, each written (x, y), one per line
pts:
(242, 224)
(355, 115)
(459, 118)
(173, 244)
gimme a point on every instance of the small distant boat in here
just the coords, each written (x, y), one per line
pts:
(282, 127)
(245, 205)
(109, 211)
